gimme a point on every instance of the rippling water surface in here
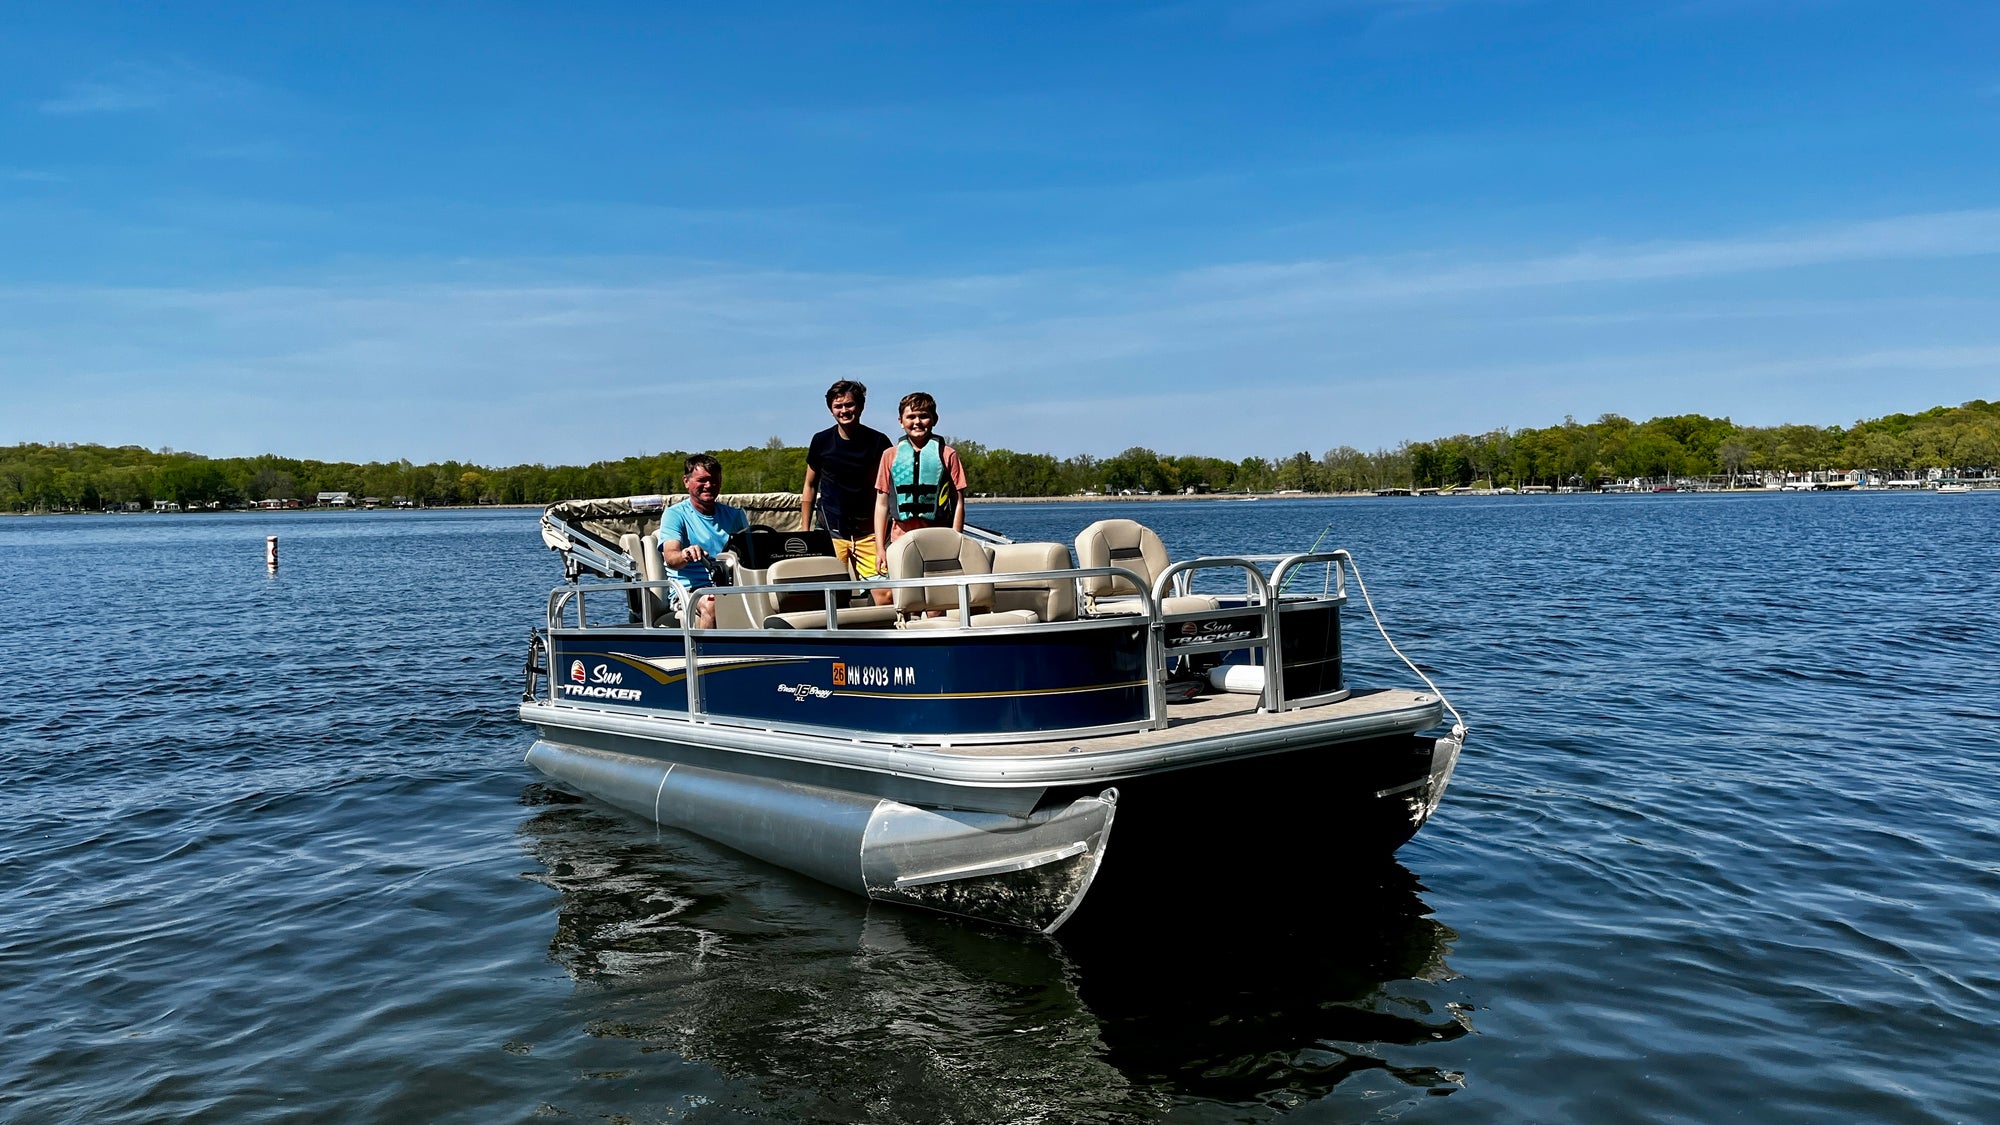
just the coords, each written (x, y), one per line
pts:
(1724, 845)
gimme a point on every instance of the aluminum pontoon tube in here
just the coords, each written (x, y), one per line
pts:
(1021, 871)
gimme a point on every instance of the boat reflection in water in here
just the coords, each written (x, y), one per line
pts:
(703, 977)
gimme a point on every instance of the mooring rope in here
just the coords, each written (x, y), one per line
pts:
(1458, 730)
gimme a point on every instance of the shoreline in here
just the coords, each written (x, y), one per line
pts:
(980, 501)
(1231, 497)
(975, 501)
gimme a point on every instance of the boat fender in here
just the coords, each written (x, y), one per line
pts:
(1245, 679)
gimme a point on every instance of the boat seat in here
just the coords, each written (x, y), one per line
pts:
(853, 617)
(1137, 548)
(1052, 599)
(753, 557)
(806, 568)
(979, 620)
(807, 609)
(645, 554)
(1192, 603)
(940, 552)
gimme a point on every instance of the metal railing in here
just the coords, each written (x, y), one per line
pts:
(1263, 596)
(1179, 576)
(1336, 575)
(563, 597)
(566, 598)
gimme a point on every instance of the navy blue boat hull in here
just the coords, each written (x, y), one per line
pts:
(873, 683)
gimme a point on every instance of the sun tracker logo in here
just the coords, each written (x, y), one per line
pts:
(1213, 632)
(598, 682)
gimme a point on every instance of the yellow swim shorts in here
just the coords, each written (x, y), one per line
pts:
(860, 556)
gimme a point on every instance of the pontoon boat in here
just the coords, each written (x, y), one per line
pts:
(969, 747)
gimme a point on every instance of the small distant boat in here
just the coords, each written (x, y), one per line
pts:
(1953, 489)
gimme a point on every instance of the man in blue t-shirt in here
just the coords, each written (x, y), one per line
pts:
(697, 529)
(840, 479)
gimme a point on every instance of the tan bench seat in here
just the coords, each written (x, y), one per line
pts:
(979, 620)
(1049, 599)
(854, 617)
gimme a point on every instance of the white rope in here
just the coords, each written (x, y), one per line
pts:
(1458, 730)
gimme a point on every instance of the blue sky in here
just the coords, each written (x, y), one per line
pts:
(512, 232)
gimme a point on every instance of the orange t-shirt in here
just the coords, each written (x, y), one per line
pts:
(885, 481)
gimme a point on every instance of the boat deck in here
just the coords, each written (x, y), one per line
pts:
(1235, 718)
(1210, 729)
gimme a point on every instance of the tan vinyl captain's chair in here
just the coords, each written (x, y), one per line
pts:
(940, 552)
(1137, 548)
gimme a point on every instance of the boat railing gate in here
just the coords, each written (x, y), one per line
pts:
(571, 597)
(1266, 600)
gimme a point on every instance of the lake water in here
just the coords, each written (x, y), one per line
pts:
(1725, 845)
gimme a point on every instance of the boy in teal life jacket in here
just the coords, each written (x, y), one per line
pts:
(920, 482)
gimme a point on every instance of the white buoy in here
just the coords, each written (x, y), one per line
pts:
(1244, 679)
(271, 551)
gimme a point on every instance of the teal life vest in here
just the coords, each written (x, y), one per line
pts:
(923, 491)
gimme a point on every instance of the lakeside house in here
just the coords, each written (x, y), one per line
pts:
(335, 500)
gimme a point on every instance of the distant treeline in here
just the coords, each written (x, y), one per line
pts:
(67, 477)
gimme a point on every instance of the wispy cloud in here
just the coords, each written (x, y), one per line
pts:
(137, 87)
(1227, 359)
(1957, 234)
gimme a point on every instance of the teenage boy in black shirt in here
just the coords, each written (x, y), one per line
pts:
(841, 463)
